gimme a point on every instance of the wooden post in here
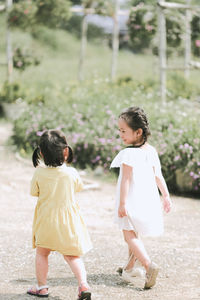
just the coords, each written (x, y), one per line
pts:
(187, 40)
(115, 41)
(162, 51)
(83, 47)
(9, 45)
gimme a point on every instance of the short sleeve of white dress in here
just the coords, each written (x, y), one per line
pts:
(125, 156)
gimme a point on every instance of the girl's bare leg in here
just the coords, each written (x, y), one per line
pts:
(77, 266)
(131, 260)
(41, 268)
(137, 247)
(41, 265)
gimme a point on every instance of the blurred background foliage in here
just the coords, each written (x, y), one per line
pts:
(46, 90)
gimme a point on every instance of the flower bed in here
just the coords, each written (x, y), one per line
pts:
(88, 116)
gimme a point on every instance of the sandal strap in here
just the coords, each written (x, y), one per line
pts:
(39, 288)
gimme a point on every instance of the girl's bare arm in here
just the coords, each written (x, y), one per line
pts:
(160, 181)
(124, 189)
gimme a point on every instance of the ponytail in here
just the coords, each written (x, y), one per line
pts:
(70, 156)
(36, 156)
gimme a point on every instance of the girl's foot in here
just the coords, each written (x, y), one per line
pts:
(151, 276)
(129, 265)
(84, 292)
(129, 275)
(39, 291)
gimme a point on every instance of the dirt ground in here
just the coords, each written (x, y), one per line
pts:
(177, 252)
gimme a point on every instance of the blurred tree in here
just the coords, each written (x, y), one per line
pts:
(27, 14)
(52, 13)
(22, 15)
(142, 26)
(75, 2)
(23, 58)
(145, 2)
(195, 28)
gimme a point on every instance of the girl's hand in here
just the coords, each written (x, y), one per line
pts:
(167, 204)
(122, 211)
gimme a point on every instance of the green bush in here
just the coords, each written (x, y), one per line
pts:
(88, 116)
(22, 15)
(10, 92)
(27, 14)
(142, 28)
(74, 26)
(52, 13)
(143, 25)
(179, 87)
(46, 36)
(177, 140)
(195, 25)
(22, 59)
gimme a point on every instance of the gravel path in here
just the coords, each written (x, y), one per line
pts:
(177, 252)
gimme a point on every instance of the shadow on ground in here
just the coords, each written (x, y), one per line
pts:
(94, 279)
(23, 297)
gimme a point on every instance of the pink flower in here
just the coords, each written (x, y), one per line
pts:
(109, 112)
(177, 158)
(102, 141)
(19, 63)
(197, 43)
(149, 27)
(39, 133)
(136, 26)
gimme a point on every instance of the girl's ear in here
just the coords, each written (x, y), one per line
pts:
(66, 153)
(139, 132)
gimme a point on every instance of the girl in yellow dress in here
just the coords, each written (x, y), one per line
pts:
(58, 224)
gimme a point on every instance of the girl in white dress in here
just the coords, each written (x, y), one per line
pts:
(138, 206)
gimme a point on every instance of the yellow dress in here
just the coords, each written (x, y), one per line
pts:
(58, 224)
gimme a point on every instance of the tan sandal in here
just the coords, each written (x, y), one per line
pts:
(151, 276)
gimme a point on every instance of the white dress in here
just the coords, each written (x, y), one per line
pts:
(143, 202)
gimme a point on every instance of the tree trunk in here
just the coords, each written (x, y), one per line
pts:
(115, 41)
(162, 51)
(187, 40)
(9, 45)
(83, 47)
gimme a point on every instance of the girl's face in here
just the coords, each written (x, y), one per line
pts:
(128, 135)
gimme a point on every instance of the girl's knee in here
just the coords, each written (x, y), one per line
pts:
(43, 251)
(129, 235)
(70, 257)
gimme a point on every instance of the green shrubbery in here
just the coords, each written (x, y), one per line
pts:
(27, 14)
(23, 58)
(93, 33)
(22, 15)
(143, 28)
(88, 116)
(10, 92)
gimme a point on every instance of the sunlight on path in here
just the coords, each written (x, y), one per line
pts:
(177, 252)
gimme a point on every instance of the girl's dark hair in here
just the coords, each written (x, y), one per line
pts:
(51, 146)
(136, 118)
